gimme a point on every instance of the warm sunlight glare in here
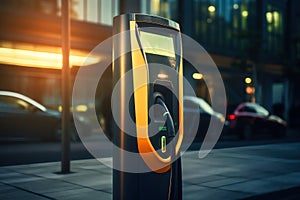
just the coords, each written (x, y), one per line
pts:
(30, 58)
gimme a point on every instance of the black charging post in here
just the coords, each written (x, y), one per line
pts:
(153, 70)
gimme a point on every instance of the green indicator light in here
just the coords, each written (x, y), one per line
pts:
(162, 128)
(163, 142)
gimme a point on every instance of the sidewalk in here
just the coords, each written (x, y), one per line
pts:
(231, 173)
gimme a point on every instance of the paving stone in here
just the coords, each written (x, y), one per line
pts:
(82, 193)
(204, 179)
(46, 186)
(223, 182)
(257, 186)
(192, 192)
(232, 173)
(20, 194)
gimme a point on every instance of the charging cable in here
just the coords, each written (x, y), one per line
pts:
(170, 134)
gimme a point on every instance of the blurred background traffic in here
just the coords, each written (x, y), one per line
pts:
(254, 43)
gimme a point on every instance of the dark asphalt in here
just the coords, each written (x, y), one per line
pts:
(14, 152)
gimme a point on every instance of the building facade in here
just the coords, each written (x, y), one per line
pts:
(30, 43)
(256, 39)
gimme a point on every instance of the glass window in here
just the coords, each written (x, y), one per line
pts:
(205, 106)
(34, 6)
(224, 23)
(13, 103)
(298, 50)
(95, 11)
(297, 39)
(255, 108)
(202, 105)
(274, 22)
(163, 8)
(261, 110)
(248, 109)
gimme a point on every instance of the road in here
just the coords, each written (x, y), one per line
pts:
(26, 152)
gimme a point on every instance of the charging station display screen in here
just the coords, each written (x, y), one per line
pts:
(157, 44)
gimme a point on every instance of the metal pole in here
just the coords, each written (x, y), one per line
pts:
(65, 76)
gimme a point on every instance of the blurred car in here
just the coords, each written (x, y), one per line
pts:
(21, 116)
(197, 108)
(248, 119)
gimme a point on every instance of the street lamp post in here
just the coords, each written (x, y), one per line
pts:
(65, 75)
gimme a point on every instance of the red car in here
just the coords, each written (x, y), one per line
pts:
(249, 119)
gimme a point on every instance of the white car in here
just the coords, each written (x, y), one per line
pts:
(21, 116)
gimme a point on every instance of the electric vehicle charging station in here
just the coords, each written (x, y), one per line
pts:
(155, 70)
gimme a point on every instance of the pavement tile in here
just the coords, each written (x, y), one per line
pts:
(6, 188)
(9, 174)
(14, 195)
(223, 182)
(40, 170)
(57, 175)
(80, 194)
(4, 171)
(21, 179)
(93, 165)
(290, 178)
(46, 185)
(257, 186)
(192, 192)
(232, 173)
(249, 174)
(188, 174)
(203, 179)
(94, 181)
(88, 195)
